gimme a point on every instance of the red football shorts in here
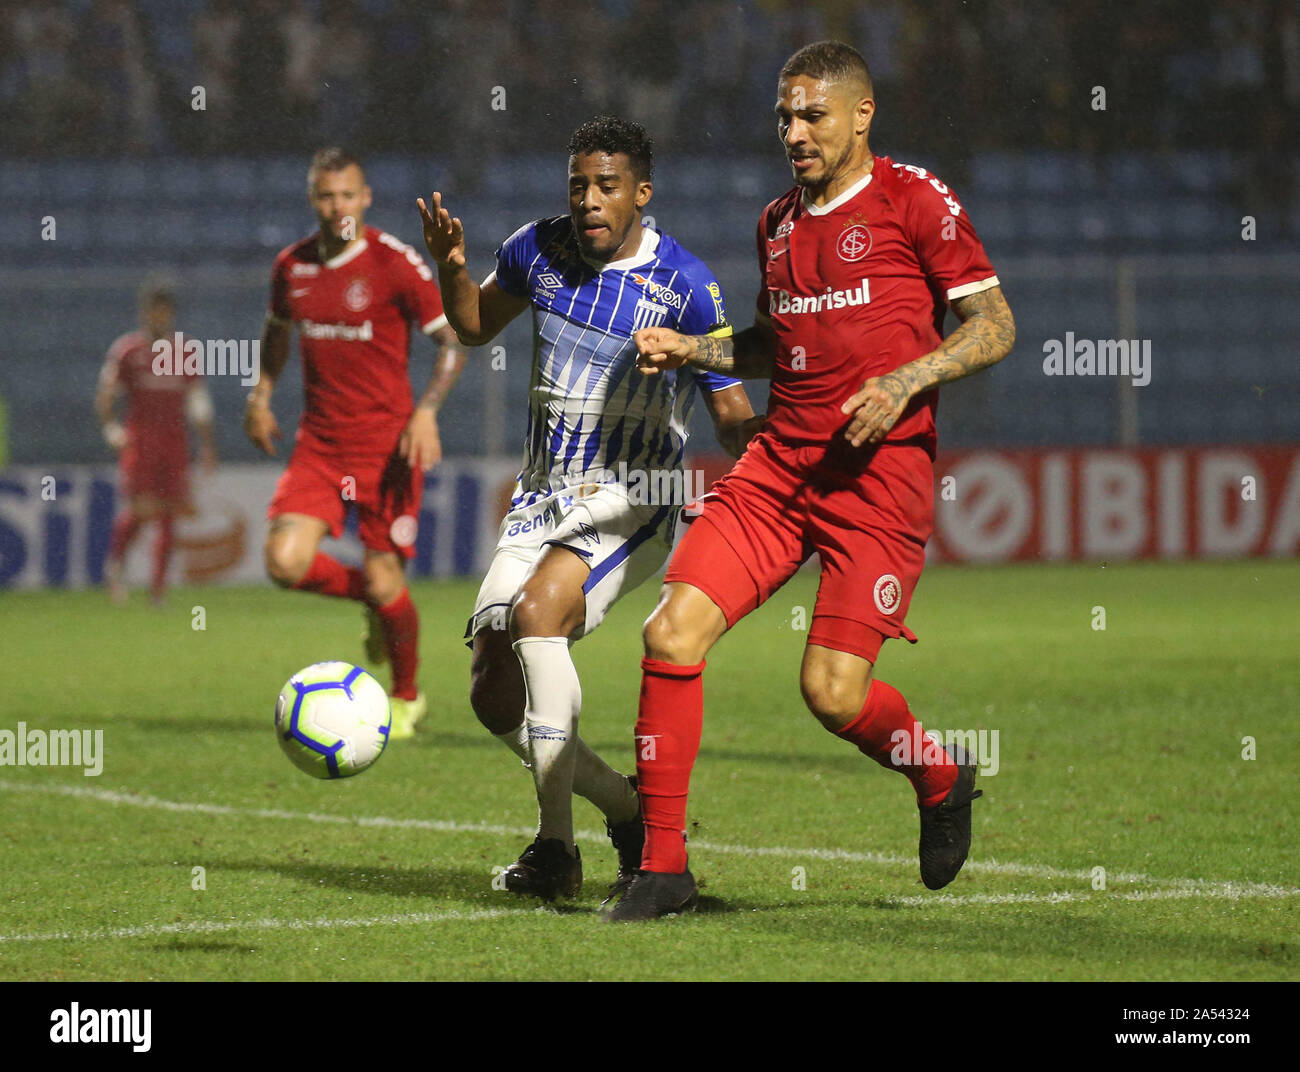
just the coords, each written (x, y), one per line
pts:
(155, 471)
(384, 489)
(781, 503)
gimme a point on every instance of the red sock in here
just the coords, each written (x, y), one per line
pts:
(887, 732)
(162, 553)
(402, 639)
(669, 723)
(330, 577)
(125, 528)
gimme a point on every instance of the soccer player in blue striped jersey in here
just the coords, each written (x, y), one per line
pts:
(601, 488)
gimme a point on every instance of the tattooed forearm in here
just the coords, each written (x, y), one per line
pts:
(985, 337)
(748, 355)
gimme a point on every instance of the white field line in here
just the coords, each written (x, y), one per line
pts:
(200, 927)
(1173, 886)
(225, 926)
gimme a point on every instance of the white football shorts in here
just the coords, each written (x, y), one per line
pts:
(622, 543)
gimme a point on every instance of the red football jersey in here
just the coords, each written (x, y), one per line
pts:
(353, 314)
(155, 400)
(858, 287)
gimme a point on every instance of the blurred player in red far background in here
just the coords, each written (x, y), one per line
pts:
(859, 262)
(354, 292)
(153, 444)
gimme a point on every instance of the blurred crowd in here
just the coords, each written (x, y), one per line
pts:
(479, 77)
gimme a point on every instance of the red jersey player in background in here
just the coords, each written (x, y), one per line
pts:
(353, 292)
(858, 263)
(153, 444)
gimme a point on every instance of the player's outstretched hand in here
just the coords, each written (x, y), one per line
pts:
(444, 237)
(661, 348)
(420, 444)
(875, 409)
(261, 426)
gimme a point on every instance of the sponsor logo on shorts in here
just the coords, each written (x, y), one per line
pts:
(403, 529)
(888, 593)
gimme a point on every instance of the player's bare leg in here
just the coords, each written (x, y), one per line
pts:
(390, 602)
(841, 692)
(291, 547)
(678, 635)
(138, 512)
(164, 539)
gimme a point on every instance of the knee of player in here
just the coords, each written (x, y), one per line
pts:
(545, 610)
(666, 638)
(834, 701)
(380, 591)
(284, 566)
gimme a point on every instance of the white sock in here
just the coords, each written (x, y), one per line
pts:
(554, 699)
(516, 740)
(597, 781)
(593, 778)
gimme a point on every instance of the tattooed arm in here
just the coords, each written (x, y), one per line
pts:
(985, 336)
(747, 355)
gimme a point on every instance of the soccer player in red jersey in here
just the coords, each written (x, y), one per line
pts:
(858, 261)
(353, 291)
(153, 445)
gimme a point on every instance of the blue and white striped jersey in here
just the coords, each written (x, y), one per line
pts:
(591, 416)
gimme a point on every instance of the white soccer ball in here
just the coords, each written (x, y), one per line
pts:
(332, 720)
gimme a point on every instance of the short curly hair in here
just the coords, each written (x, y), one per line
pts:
(610, 134)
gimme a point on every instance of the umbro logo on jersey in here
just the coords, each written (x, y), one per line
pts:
(550, 281)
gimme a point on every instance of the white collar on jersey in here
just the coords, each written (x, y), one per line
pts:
(351, 253)
(645, 252)
(847, 195)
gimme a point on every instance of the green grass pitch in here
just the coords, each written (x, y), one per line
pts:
(1119, 749)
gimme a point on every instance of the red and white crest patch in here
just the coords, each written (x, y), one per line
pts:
(357, 296)
(403, 530)
(854, 243)
(888, 594)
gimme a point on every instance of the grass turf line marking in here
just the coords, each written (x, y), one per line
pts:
(1188, 886)
(224, 926)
